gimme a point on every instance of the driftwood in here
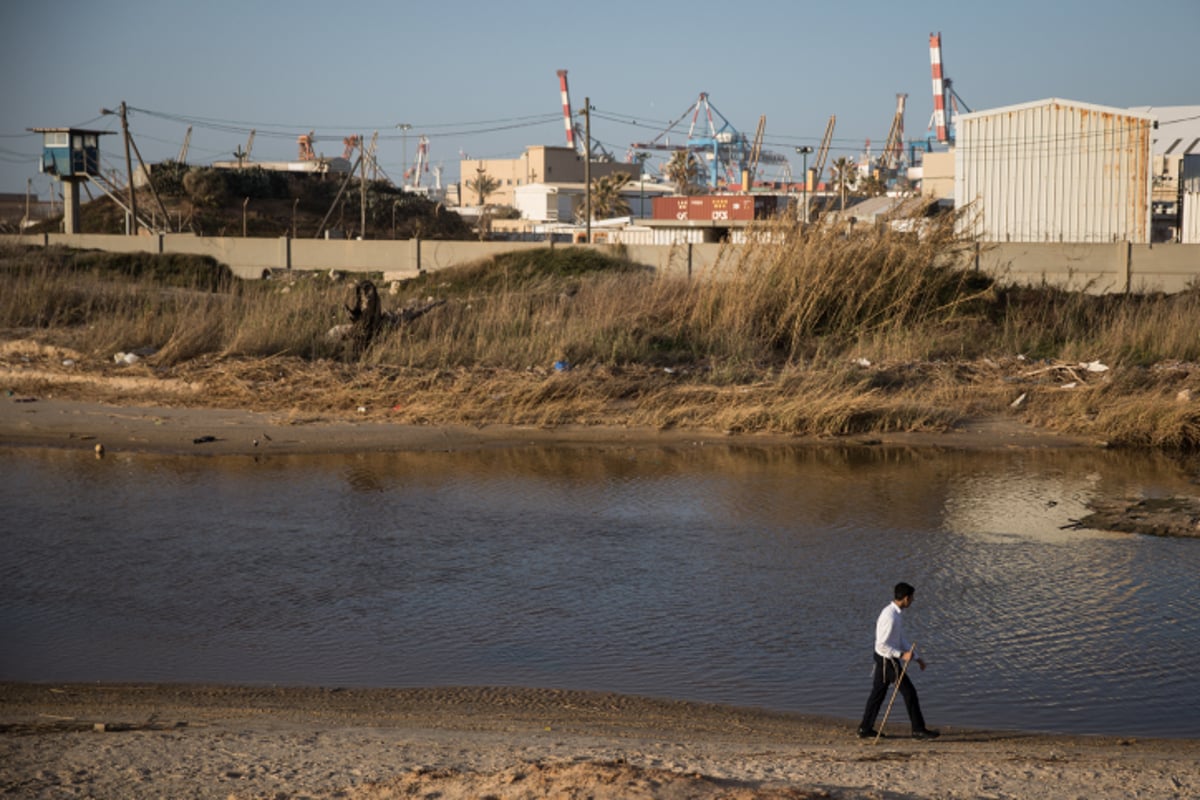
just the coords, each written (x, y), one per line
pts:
(368, 319)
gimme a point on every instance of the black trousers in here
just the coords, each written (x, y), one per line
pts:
(887, 670)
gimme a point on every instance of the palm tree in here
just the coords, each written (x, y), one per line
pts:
(845, 176)
(872, 185)
(606, 196)
(483, 185)
(682, 170)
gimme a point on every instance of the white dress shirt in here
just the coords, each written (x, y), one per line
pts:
(889, 633)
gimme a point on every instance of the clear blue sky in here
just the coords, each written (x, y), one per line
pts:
(479, 77)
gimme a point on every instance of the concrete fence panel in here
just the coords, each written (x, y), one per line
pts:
(110, 243)
(1096, 268)
(353, 256)
(1164, 268)
(247, 258)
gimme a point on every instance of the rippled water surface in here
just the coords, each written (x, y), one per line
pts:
(746, 576)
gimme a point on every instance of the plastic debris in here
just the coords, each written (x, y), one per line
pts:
(1093, 366)
(126, 358)
(1070, 385)
(562, 366)
(862, 362)
(1020, 401)
(68, 362)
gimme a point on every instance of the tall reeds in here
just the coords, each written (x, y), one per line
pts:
(822, 330)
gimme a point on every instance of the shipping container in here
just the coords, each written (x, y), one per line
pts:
(670, 208)
(718, 208)
(1054, 171)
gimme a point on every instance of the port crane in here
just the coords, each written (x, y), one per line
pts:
(304, 142)
(893, 148)
(421, 165)
(822, 153)
(756, 150)
(242, 155)
(723, 151)
(944, 96)
(576, 138)
(183, 151)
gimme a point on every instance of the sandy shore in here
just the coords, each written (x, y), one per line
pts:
(136, 741)
(39, 421)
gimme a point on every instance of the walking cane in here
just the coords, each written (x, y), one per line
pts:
(895, 692)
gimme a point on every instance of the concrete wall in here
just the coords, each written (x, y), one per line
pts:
(1096, 268)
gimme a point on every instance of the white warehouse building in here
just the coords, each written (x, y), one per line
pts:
(1054, 170)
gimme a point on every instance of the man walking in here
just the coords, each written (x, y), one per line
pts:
(892, 652)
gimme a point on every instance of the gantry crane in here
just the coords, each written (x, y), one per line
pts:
(304, 143)
(723, 151)
(893, 148)
(756, 150)
(822, 154)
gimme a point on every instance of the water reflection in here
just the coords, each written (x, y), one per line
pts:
(743, 575)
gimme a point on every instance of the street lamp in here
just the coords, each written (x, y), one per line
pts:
(404, 129)
(641, 159)
(804, 151)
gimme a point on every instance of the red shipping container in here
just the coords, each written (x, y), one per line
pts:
(670, 208)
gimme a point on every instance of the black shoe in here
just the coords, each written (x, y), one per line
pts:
(926, 733)
(867, 733)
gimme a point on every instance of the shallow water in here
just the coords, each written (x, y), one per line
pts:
(746, 576)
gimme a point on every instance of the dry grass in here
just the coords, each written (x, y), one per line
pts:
(815, 333)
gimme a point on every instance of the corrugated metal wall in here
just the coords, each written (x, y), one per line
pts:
(1189, 232)
(1189, 186)
(1054, 171)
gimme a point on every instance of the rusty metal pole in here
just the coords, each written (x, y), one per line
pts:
(133, 229)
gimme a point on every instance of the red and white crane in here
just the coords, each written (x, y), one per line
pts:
(944, 96)
(939, 88)
(566, 107)
(422, 163)
(576, 138)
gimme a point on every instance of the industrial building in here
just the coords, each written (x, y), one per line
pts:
(1054, 170)
(1177, 138)
(538, 164)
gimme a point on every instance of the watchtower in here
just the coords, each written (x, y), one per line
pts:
(72, 155)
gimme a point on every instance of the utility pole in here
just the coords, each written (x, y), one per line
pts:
(128, 169)
(587, 163)
(362, 190)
